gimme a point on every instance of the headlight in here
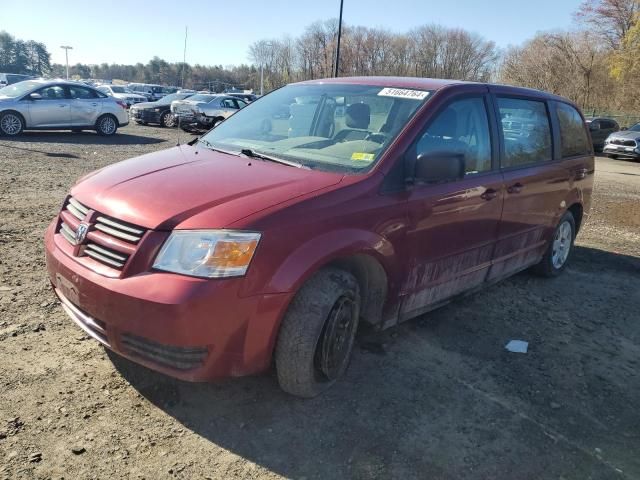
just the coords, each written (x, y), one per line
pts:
(157, 109)
(208, 253)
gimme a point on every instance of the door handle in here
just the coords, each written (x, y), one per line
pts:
(94, 104)
(62, 106)
(515, 188)
(489, 194)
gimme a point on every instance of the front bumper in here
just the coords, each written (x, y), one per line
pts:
(147, 116)
(621, 151)
(189, 328)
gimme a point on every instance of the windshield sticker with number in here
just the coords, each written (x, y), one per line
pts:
(403, 93)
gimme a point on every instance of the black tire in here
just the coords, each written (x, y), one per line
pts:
(312, 331)
(11, 124)
(107, 125)
(548, 267)
(166, 120)
(615, 157)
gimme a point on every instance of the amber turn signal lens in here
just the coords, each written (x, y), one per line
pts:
(230, 254)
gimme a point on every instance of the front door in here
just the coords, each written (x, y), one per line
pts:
(535, 185)
(85, 106)
(453, 226)
(53, 109)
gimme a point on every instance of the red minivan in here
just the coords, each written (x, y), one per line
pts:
(321, 205)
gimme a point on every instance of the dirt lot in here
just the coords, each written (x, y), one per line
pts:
(435, 398)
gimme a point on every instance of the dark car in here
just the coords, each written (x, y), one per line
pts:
(247, 97)
(158, 111)
(11, 78)
(268, 240)
(600, 129)
(624, 144)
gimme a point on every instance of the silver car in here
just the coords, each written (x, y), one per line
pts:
(197, 113)
(56, 105)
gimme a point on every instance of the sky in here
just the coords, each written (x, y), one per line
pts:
(220, 33)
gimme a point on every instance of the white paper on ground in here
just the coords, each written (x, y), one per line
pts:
(517, 346)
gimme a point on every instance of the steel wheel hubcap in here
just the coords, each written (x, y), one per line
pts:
(335, 343)
(108, 125)
(11, 124)
(561, 244)
(168, 120)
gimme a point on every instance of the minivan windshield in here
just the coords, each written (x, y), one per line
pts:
(336, 127)
(18, 89)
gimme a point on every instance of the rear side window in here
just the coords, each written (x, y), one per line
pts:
(526, 132)
(81, 93)
(462, 127)
(607, 124)
(573, 136)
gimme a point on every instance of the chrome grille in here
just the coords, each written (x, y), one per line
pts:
(626, 143)
(68, 233)
(106, 255)
(119, 229)
(105, 245)
(76, 209)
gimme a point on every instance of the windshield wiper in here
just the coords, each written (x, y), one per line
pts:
(263, 156)
(210, 146)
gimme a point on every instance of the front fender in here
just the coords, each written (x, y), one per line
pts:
(322, 250)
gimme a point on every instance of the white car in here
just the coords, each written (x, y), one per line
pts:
(122, 93)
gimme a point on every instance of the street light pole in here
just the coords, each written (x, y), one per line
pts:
(270, 45)
(339, 36)
(66, 54)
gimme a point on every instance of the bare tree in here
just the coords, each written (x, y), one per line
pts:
(611, 19)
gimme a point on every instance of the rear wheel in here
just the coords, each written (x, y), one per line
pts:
(11, 124)
(612, 156)
(106, 125)
(317, 333)
(557, 255)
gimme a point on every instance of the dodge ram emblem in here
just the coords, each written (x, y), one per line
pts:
(81, 233)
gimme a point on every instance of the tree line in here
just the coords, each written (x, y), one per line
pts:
(595, 63)
(27, 57)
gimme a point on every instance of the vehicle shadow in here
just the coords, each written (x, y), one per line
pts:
(83, 138)
(410, 408)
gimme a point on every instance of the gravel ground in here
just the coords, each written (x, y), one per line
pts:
(437, 397)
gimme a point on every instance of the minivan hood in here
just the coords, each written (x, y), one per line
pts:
(163, 189)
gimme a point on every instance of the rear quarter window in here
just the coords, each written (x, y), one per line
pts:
(573, 136)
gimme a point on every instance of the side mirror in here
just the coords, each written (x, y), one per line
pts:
(35, 96)
(439, 167)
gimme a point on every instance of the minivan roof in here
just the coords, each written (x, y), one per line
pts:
(433, 84)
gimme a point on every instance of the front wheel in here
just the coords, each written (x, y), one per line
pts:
(11, 124)
(106, 125)
(317, 333)
(557, 255)
(167, 120)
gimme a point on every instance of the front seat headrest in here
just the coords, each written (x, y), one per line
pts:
(358, 115)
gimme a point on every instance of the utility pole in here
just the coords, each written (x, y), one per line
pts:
(184, 56)
(66, 54)
(339, 36)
